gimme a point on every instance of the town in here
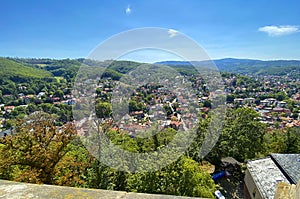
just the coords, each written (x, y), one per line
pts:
(275, 98)
(262, 115)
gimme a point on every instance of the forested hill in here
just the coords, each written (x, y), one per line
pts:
(18, 69)
(66, 68)
(15, 71)
(247, 66)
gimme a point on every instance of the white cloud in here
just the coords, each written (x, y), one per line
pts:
(128, 10)
(172, 33)
(279, 30)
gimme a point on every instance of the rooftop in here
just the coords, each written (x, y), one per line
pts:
(289, 164)
(6, 132)
(266, 176)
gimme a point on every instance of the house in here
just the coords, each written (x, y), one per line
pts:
(138, 114)
(69, 101)
(6, 132)
(175, 124)
(8, 109)
(41, 94)
(278, 110)
(263, 175)
(22, 88)
(238, 100)
(28, 99)
(21, 95)
(249, 100)
(272, 101)
(56, 99)
(268, 102)
(281, 104)
(265, 103)
(282, 110)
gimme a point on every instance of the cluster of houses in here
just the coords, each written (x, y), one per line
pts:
(155, 111)
(271, 111)
(27, 99)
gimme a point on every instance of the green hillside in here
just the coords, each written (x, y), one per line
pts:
(12, 70)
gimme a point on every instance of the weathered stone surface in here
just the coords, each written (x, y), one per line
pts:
(17, 190)
(287, 191)
(153, 196)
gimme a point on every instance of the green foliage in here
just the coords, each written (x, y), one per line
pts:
(230, 98)
(123, 67)
(185, 70)
(59, 93)
(73, 168)
(8, 87)
(283, 141)
(39, 153)
(32, 154)
(65, 68)
(136, 106)
(17, 72)
(183, 177)
(292, 140)
(103, 109)
(123, 140)
(112, 74)
(194, 150)
(242, 136)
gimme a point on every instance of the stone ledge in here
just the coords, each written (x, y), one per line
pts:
(17, 190)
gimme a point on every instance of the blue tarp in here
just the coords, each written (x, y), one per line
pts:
(219, 175)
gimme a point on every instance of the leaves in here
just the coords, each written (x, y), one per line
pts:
(242, 136)
(183, 177)
(36, 147)
(103, 110)
(14, 71)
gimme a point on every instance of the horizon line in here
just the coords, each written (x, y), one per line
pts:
(213, 59)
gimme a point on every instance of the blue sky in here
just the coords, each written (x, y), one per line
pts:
(258, 29)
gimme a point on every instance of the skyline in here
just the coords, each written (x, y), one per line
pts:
(50, 29)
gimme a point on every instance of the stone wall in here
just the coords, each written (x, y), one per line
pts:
(287, 191)
(17, 190)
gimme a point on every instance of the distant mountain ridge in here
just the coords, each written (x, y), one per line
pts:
(17, 69)
(246, 66)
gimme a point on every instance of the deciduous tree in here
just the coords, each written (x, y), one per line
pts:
(34, 150)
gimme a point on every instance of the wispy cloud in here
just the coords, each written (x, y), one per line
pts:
(172, 33)
(279, 30)
(128, 10)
